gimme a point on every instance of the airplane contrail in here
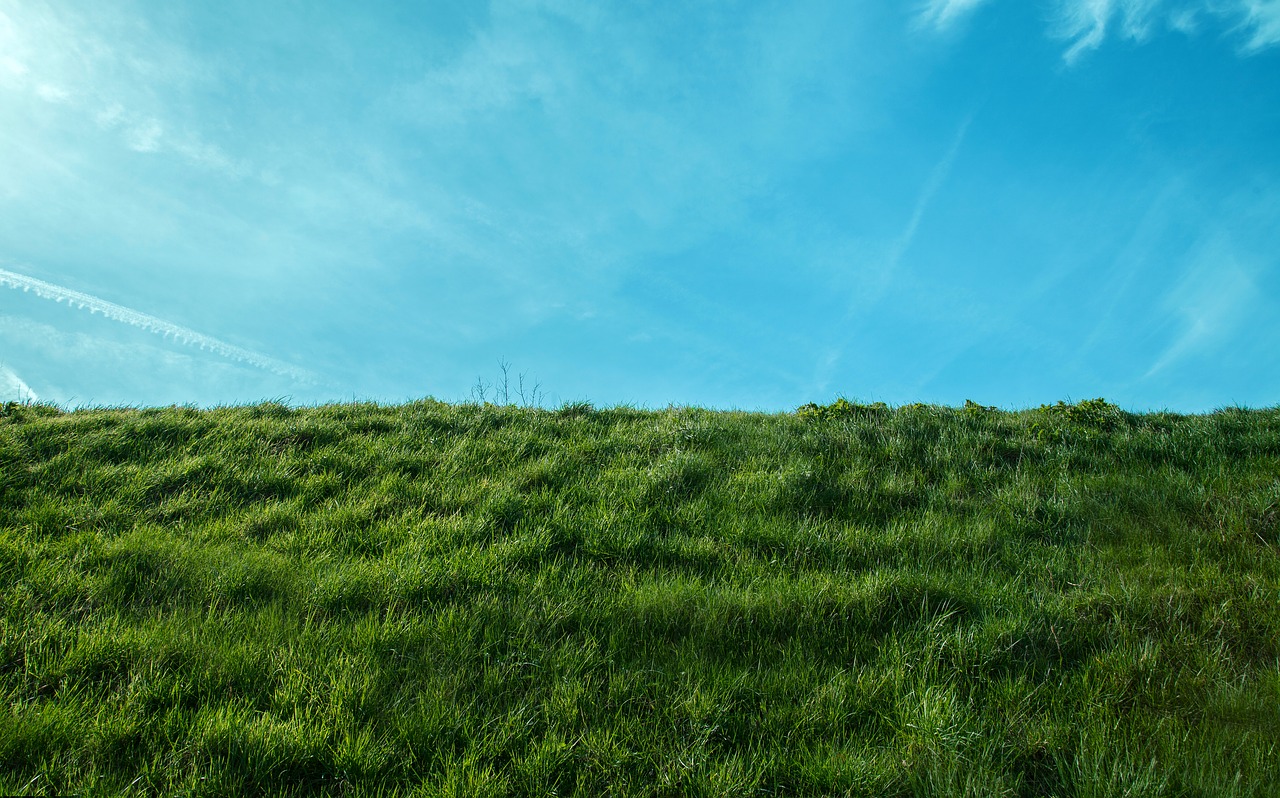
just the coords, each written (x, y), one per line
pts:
(898, 248)
(936, 178)
(151, 324)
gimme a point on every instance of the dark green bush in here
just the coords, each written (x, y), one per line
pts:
(842, 408)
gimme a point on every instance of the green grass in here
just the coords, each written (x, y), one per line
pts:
(437, 599)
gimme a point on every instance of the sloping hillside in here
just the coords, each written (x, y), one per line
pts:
(436, 599)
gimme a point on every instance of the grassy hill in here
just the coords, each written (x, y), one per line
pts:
(436, 599)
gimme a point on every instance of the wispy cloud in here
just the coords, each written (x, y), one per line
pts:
(943, 14)
(60, 59)
(1131, 265)
(53, 94)
(1210, 301)
(888, 267)
(150, 134)
(1262, 20)
(941, 170)
(669, 144)
(10, 65)
(1086, 24)
(14, 388)
(151, 324)
(898, 249)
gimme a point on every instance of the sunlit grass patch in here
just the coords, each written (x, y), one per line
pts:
(440, 599)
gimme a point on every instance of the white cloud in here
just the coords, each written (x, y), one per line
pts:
(1263, 18)
(881, 275)
(13, 66)
(943, 14)
(936, 178)
(90, 367)
(500, 68)
(69, 59)
(13, 388)
(151, 324)
(145, 136)
(658, 159)
(1213, 298)
(1087, 23)
(1186, 21)
(110, 116)
(1137, 19)
(53, 94)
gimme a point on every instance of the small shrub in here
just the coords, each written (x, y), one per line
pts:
(842, 408)
(1091, 416)
(917, 407)
(21, 411)
(1047, 432)
(1097, 413)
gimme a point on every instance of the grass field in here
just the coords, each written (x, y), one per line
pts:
(436, 599)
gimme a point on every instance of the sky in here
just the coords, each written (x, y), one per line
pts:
(729, 204)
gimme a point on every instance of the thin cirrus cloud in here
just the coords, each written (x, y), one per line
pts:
(942, 14)
(1086, 24)
(14, 388)
(1262, 18)
(928, 192)
(725, 206)
(1214, 297)
(151, 324)
(63, 61)
(888, 267)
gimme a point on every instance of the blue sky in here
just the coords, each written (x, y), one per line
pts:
(731, 204)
